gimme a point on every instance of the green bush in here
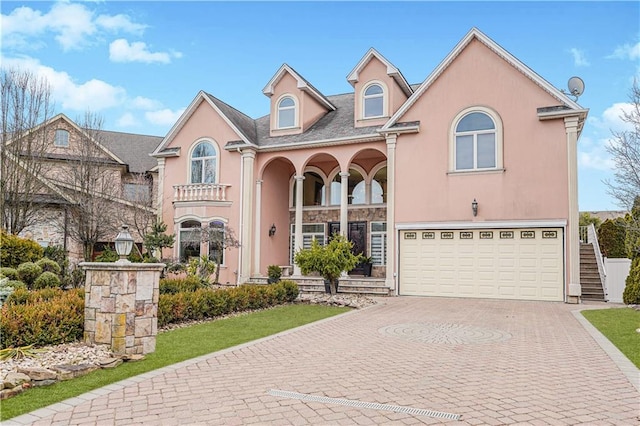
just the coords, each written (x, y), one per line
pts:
(631, 293)
(16, 284)
(49, 265)
(206, 303)
(177, 285)
(28, 272)
(10, 273)
(74, 279)
(611, 236)
(44, 317)
(16, 250)
(58, 255)
(46, 280)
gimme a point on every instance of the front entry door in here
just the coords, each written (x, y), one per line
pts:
(357, 234)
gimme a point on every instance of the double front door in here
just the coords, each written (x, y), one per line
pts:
(357, 234)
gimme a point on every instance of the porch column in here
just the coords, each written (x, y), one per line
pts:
(256, 240)
(160, 193)
(344, 203)
(298, 231)
(390, 280)
(573, 242)
(248, 158)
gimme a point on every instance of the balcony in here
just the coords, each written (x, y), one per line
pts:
(200, 192)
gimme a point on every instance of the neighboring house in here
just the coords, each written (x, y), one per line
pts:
(462, 186)
(70, 158)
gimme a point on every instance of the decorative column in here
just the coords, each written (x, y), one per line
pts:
(256, 240)
(573, 241)
(160, 192)
(390, 280)
(246, 247)
(344, 203)
(298, 222)
(121, 305)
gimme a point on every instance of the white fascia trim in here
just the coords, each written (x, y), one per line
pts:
(550, 115)
(392, 70)
(200, 219)
(554, 223)
(373, 137)
(301, 84)
(165, 154)
(516, 63)
(400, 130)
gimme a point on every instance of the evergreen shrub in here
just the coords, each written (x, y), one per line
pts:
(16, 250)
(47, 280)
(28, 272)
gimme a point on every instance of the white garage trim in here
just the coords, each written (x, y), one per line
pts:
(559, 223)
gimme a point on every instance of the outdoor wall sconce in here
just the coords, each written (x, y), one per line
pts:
(272, 230)
(474, 207)
(124, 243)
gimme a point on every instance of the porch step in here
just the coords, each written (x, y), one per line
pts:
(361, 286)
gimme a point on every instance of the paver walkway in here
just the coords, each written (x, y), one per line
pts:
(480, 361)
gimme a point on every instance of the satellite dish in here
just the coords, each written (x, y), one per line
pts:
(576, 87)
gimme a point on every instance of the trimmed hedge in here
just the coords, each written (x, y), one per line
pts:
(47, 279)
(49, 265)
(16, 250)
(43, 317)
(10, 273)
(205, 303)
(178, 285)
(28, 272)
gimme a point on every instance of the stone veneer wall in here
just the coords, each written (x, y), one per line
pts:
(121, 305)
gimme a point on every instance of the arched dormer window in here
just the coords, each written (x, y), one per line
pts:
(61, 138)
(204, 163)
(373, 101)
(476, 140)
(286, 112)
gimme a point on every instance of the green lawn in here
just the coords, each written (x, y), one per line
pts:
(175, 346)
(619, 326)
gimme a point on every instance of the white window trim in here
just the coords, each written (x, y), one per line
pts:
(319, 172)
(499, 140)
(296, 112)
(320, 237)
(385, 99)
(179, 233)
(55, 138)
(371, 177)
(216, 149)
(225, 223)
(384, 235)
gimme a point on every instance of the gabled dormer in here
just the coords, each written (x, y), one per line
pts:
(295, 104)
(380, 89)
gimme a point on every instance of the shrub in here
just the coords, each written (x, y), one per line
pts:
(75, 279)
(177, 285)
(274, 272)
(210, 303)
(611, 237)
(631, 293)
(46, 280)
(28, 272)
(107, 255)
(44, 317)
(49, 265)
(10, 273)
(58, 255)
(16, 250)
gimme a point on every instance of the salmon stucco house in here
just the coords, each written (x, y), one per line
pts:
(462, 186)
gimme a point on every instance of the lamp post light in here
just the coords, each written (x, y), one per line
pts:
(124, 243)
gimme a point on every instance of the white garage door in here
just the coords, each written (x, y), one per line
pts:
(486, 263)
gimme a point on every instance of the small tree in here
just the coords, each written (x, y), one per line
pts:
(586, 219)
(611, 235)
(156, 239)
(330, 260)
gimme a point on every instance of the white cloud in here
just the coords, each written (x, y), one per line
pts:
(122, 51)
(140, 102)
(627, 51)
(73, 25)
(127, 120)
(594, 155)
(610, 118)
(94, 95)
(163, 117)
(579, 57)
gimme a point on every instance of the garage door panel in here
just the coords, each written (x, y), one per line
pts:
(484, 263)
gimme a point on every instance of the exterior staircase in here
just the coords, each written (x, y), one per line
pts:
(589, 276)
(364, 286)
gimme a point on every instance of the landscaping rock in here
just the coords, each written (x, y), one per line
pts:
(8, 393)
(109, 362)
(14, 379)
(69, 371)
(37, 373)
(37, 383)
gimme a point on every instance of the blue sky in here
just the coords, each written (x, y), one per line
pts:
(140, 64)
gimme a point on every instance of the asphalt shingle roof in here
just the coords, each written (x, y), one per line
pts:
(133, 149)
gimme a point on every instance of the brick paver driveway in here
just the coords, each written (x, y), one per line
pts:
(403, 361)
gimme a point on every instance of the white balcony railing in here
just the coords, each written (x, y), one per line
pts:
(200, 192)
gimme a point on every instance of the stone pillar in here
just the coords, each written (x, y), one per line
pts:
(298, 230)
(121, 305)
(246, 231)
(256, 240)
(573, 239)
(391, 232)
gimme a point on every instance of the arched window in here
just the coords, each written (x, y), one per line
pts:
(314, 192)
(357, 187)
(379, 187)
(216, 242)
(190, 237)
(476, 142)
(203, 163)
(61, 138)
(373, 101)
(286, 112)
(336, 188)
